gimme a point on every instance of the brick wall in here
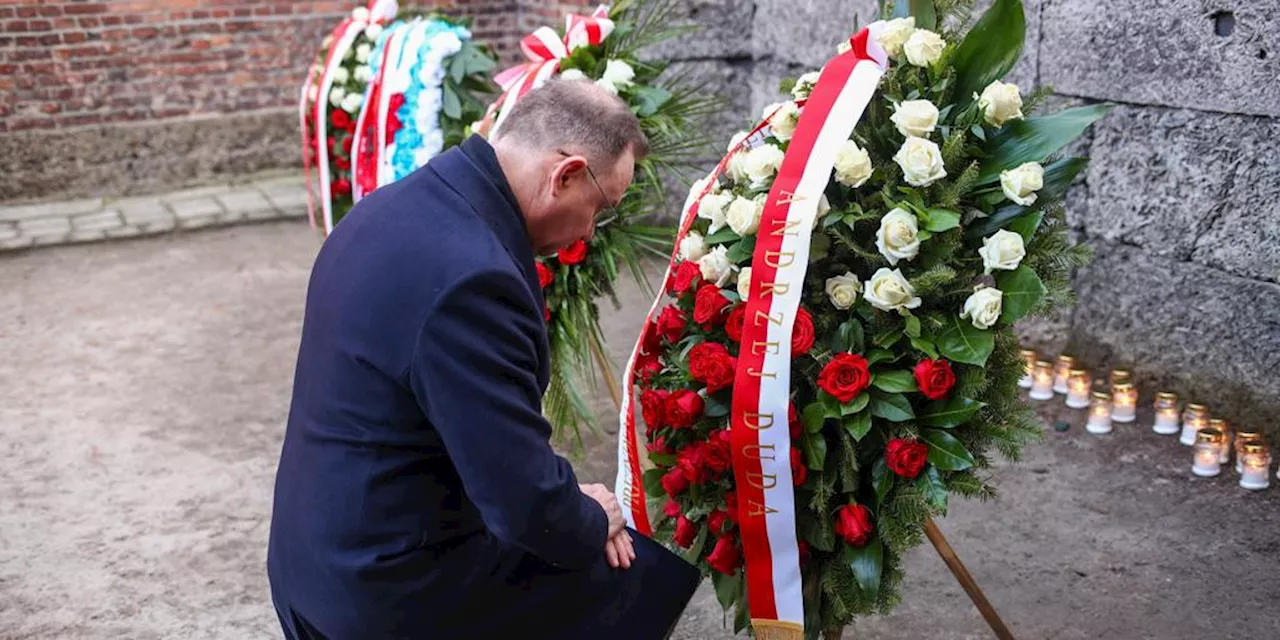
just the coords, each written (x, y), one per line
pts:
(104, 97)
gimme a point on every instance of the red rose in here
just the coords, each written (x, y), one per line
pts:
(733, 323)
(545, 275)
(651, 403)
(691, 460)
(725, 557)
(802, 334)
(658, 446)
(718, 522)
(339, 119)
(671, 324)
(731, 506)
(340, 187)
(341, 164)
(719, 453)
(332, 143)
(686, 531)
(671, 509)
(647, 367)
(709, 306)
(906, 457)
(935, 378)
(574, 253)
(346, 144)
(799, 472)
(853, 524)
(651, 344)
(794, 423)
(687, 276)
(682, 408)
(845, 377)
(674, 483)
(711, 363)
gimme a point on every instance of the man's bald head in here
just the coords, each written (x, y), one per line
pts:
(578, 117)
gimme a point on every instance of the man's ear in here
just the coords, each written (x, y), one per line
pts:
(567, 169)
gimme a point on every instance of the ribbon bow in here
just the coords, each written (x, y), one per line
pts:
(544, 50)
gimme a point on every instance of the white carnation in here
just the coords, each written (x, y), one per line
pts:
(364, 74)
(744, 215)
(894, 34)
(336, 96)
(983, 307)
(915, 118)
(713, 207)
(1021, 184)
(362, 53)
(715, 266)
(924, 47)
(1000, 103)
(897, 238)
(762, 163)
(341, 75)
(853, 165)
(921, 162)
(351, 103)
(373, 31)
(843, 290)
(1003, 250)
(888, 290)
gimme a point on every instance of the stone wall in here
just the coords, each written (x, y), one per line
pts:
(1179, 203)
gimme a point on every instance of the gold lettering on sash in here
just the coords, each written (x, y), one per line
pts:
(787, 228)
(775, 288)
(757, 452)
(756, 421)
(762, 481)
(774, 258)
(759, 348)
(756, 509)
(761, 374)
(787, 197)
(760, 315)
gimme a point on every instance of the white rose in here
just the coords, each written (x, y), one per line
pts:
(373, 31)
(784, 121)
(712, 207)
(744, 283)
(362, 53)
(924, 47)
(360, 14)
(607, 86)
(735, 139)
(853, 165)
(762, 163)
(1021, 184)
(894, 34)
(573, 74)
(1004, 250)
(1000, 103)
(983, 307)
(618, 73)
(805, 84)
(364, 74)
(340, 75)
(897, 238)
(921, 162)
(888, 291)
(744, 215)
(693, 246)
(843, 290)
(695, 191)
(737, 168)
(336, 96)
(715, 266)
(915, 118)
(351, 103)
(824, 207)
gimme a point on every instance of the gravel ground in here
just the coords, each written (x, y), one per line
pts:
(143, 390)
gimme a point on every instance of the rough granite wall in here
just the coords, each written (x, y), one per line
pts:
(1179, 203)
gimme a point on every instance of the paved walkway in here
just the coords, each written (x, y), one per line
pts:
(264, 197)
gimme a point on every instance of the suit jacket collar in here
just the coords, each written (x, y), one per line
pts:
(473, 171)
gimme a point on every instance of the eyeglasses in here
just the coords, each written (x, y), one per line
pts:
(613, 211)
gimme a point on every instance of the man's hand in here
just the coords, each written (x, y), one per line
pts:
(619, 550)
(609, 503)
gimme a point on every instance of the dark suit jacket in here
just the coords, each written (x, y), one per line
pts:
(416, 474)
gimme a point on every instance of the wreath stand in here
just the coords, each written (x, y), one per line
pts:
(931, 531)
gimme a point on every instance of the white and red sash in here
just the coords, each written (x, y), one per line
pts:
(761, 393)
(544, 50)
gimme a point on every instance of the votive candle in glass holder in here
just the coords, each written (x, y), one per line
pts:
(1256, 465)
(1243, 437)
(1194, 418)
(1219, 424)
(1042, 378)
(1166, 423)
(1029, 356)
(1124, 402)
(1099, 413)
(1078, 389)
(1061, 372)
(1120, 375)
(1206, 461)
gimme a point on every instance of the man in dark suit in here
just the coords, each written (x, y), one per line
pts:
(417, 494)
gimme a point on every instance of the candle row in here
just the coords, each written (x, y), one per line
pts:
(1207, 435)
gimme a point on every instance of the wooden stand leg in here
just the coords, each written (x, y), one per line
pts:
(931, 530)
